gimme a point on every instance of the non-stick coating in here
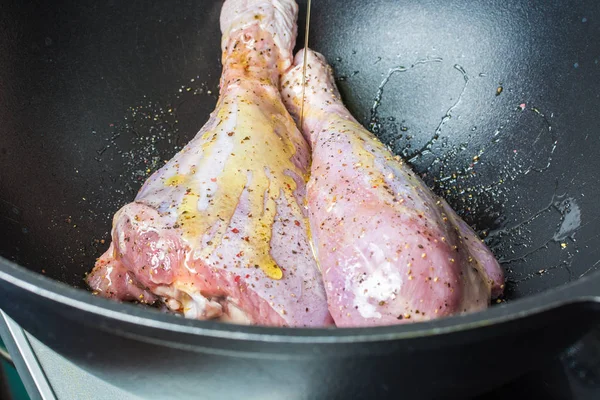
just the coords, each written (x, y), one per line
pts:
(95, 95)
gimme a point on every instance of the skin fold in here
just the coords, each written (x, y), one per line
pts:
(390, 251)
(221, 231)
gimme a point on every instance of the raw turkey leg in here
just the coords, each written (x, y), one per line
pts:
(220, 231)
(389, 249)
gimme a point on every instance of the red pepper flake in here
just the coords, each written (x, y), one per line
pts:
(246, 238)
(247, 276)
(297, 222)
(235, 230)
(374, 186)
(213, 179)
(241, 253)
(236, 279)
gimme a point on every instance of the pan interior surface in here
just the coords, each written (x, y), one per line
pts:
(493, 103)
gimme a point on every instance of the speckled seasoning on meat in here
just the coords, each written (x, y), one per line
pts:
(221, 231)
(390, 250)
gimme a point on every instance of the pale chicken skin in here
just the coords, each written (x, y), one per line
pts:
(221, 230)
(389, 249)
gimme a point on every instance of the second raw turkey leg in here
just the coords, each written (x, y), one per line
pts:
(390, 250)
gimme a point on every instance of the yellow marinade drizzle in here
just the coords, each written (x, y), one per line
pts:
(258, 151)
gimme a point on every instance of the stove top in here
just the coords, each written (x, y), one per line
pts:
(574, 375)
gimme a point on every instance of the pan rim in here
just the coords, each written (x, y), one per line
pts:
(55, 291)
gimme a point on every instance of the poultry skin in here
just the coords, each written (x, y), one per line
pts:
(390, 250)
(221, 231)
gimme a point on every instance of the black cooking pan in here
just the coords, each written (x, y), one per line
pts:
(94, 96)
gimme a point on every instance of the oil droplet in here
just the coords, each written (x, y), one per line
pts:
(426, 148)
(374, 124)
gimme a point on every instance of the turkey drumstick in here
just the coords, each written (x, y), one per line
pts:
(221, 230)
(390, 250)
